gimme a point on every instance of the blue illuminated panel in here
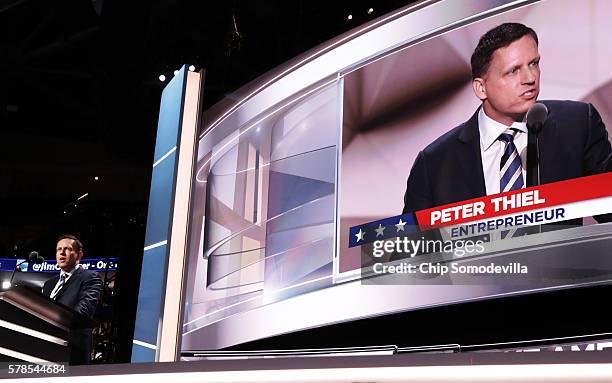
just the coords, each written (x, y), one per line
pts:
(155, 257)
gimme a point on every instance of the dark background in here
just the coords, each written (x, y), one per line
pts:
(79, 99)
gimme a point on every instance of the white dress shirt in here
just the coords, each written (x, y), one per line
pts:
(492, 149)
(57, 287)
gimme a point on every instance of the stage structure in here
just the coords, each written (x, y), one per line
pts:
(253, 201)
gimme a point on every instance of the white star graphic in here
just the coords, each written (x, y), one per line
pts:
(400, 225)
(360, 236)
(380, 231)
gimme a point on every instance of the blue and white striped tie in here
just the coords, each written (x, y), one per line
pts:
(511, 171)
(58, 286)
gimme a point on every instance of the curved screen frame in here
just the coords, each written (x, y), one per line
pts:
(337, 58)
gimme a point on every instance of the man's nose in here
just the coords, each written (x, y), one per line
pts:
(528, 76)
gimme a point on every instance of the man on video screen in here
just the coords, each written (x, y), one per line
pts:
(488, 154)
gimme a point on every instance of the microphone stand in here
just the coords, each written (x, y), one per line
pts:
(14, 270)
(537, 128)
(32, 258)
(537, 143)
(536, 117)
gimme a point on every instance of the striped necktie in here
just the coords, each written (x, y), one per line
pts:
(59, 286)
(511, 171)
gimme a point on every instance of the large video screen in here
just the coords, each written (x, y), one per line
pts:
(417, 113)
(316, 211)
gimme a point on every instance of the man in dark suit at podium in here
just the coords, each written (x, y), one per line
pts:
(493, 151)
(76, 288)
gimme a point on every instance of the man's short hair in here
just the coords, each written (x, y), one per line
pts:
(78, 246)
(498, 37)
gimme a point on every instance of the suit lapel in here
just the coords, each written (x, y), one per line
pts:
(70, 280)
(470, 159)
(50, 285)
(548, 150)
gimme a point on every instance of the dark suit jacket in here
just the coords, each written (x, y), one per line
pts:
(80, 293)
(573, 143)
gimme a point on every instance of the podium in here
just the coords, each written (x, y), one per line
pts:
(34, 328)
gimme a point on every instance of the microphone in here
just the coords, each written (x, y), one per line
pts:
(34, 257)
(536, 117)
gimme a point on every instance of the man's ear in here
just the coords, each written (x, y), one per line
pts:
(478, 84)
(80, 255)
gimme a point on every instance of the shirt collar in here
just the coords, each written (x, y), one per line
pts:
(490, 129)
(69, 273)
